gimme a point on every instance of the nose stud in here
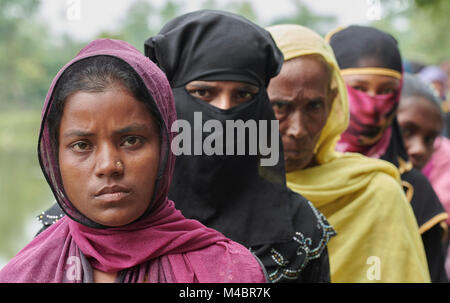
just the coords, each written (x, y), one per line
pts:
(119, 164)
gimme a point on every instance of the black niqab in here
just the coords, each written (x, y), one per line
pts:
(247, 202)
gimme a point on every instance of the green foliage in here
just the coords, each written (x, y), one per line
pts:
(24, 191)
(243, 8)
(304, 16)
(421, 29)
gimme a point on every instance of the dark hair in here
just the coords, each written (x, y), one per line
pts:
(96, 74)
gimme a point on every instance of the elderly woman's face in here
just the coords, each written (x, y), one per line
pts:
(109, 153)
(301, 98)
(222, 94)
(420, 123)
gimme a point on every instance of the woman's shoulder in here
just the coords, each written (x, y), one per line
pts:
(311, 227)
(229, 262)
(288, 261)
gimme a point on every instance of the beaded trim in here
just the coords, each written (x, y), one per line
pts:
(304, 248)
(47, 219)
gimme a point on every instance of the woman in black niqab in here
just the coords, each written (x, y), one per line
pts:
(236, 194)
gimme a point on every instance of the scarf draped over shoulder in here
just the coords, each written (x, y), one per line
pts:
(361, 197)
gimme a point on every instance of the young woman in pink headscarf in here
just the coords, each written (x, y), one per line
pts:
(104, 148)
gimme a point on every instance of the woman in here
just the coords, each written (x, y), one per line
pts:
(377, 235)
(421, 120)
(371, 66)
(104, 149)
(219, 65)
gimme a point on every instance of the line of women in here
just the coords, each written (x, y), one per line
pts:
(128, 211)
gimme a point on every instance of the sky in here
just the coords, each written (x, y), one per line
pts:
(83, 19)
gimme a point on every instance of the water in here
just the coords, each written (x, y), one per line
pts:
(24, 192)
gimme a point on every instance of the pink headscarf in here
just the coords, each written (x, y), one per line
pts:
(437, 171)
(162, 246)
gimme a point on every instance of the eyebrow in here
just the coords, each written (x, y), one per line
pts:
(201, 86)
(251, 88)
(385, 83)
(248, 87)
(135, 127)
(316, 99)
(78, 133)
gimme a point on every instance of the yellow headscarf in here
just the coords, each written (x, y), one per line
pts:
(377, 234)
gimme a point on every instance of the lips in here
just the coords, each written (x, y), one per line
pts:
(113, 193)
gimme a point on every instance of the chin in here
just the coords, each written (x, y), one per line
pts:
(115, 220)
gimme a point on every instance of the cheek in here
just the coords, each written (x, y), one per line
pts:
(406, 141)
(74, 175)
(144, 170)
(316, 125)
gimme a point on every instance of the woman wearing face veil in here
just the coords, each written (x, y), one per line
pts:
(371, 66)
(377, 235)
(236, 194)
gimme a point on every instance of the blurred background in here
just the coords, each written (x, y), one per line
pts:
(38, 37)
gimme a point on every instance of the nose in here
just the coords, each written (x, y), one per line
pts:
(371, 92)
(416, 148)
(296, 128)
(108, 162)
(223, 101)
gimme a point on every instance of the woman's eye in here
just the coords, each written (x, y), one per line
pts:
(359, 87)
(131, 141)
(315, 105)
(80, 146)
(406, 132)
(387, 91)
(280, 108)
(429, 141)
(245, 95)
(200, 93)
(279, 105)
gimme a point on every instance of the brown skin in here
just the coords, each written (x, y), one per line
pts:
(373, 84)
(222, 94)
(109, 153)
(301, 98)
(420, 122)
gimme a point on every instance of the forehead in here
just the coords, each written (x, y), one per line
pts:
(418, 110)
(222, 84)
(303, 73)
(413, 104)
(112, 106)
(371, 79)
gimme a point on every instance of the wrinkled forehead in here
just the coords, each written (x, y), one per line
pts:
(309, 70)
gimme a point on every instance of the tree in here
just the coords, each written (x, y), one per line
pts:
(30, 58)
(304, 16)
(421, 28)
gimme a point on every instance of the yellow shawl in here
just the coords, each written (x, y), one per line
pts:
(377, 234)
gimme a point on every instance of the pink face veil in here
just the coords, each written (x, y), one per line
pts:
(370, 120)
